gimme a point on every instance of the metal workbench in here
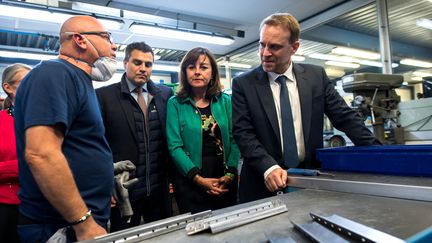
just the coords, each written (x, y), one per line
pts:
(399, 217)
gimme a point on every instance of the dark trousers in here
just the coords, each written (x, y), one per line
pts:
(30, 231)
(148, 209)
(192, 198)
(8, 223)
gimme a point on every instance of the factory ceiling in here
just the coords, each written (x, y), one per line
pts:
(326, 25)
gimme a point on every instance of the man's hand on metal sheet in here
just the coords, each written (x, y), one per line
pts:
(276, 180)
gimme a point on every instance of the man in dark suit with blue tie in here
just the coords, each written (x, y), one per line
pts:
(278, 112)
(134, 115)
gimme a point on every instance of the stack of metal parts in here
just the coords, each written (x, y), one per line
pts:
(195, 223)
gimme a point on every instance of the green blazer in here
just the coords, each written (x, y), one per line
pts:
(184, 133)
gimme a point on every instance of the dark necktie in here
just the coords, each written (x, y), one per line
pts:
(141, 102)
(288, 134)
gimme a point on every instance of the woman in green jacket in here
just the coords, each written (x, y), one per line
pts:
(199, 134)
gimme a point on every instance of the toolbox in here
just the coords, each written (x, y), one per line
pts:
(412, 160)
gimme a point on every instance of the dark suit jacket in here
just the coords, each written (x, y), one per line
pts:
(256, 129)
(117, 107)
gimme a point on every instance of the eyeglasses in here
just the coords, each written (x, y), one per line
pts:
(104, 34)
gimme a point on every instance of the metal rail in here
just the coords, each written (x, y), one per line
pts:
(421, 193)
(318, 233)
(355, 230)
(236, 218)
(153, 229)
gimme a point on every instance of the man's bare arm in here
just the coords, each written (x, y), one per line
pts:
(51, 171)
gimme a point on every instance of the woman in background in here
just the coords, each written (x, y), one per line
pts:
(199, 134)
(9, 201)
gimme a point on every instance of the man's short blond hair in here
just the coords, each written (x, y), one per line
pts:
(286, 21)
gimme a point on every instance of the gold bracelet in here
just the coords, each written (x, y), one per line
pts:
(82, 219)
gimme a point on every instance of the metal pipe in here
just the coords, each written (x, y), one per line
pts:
(384, 37)
(228, 73)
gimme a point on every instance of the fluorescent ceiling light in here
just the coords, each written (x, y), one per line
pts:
(417, 63)
(156, 67)
(356, 53)
(375, 64)
(236, 65)
(148, 18)
(111, 24)
(97, 9)
(416, 78)
(330, 57)
(120, 56)
(168, 68)
(297, 58)
(180, 34)
(332, 72)
(425, 23)
(422, 74)
(32, 56)
(50, 16)
(342, 64)
(33, 14)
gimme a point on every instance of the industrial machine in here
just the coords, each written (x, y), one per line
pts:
(375, 98)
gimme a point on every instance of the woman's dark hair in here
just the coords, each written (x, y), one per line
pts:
(214, 87)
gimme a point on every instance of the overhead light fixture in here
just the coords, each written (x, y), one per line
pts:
(330, 57)
(167, 68)
(376, 64)
(111, 24)
(236, 65)
(422, 74)
(31, 56)
(95, 9)
(356, 53)
(332, 72)
(33, 14)
(181, 34)
(120, 55)
(417, 78)
(425, 23)
(298, 58)
(342, 64)
(416, 63)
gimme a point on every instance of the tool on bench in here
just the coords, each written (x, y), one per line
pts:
(307, 172)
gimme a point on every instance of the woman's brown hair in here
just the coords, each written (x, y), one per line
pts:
(214, 87)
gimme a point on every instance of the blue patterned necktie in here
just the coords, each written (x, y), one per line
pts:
(288, 134)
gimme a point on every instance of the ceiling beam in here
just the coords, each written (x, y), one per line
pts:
(172, 18)
(314, 21)
(337, 36)
(332, 13)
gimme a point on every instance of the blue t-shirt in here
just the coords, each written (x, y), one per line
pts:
(57, 92)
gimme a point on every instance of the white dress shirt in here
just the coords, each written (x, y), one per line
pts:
(295, 108)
